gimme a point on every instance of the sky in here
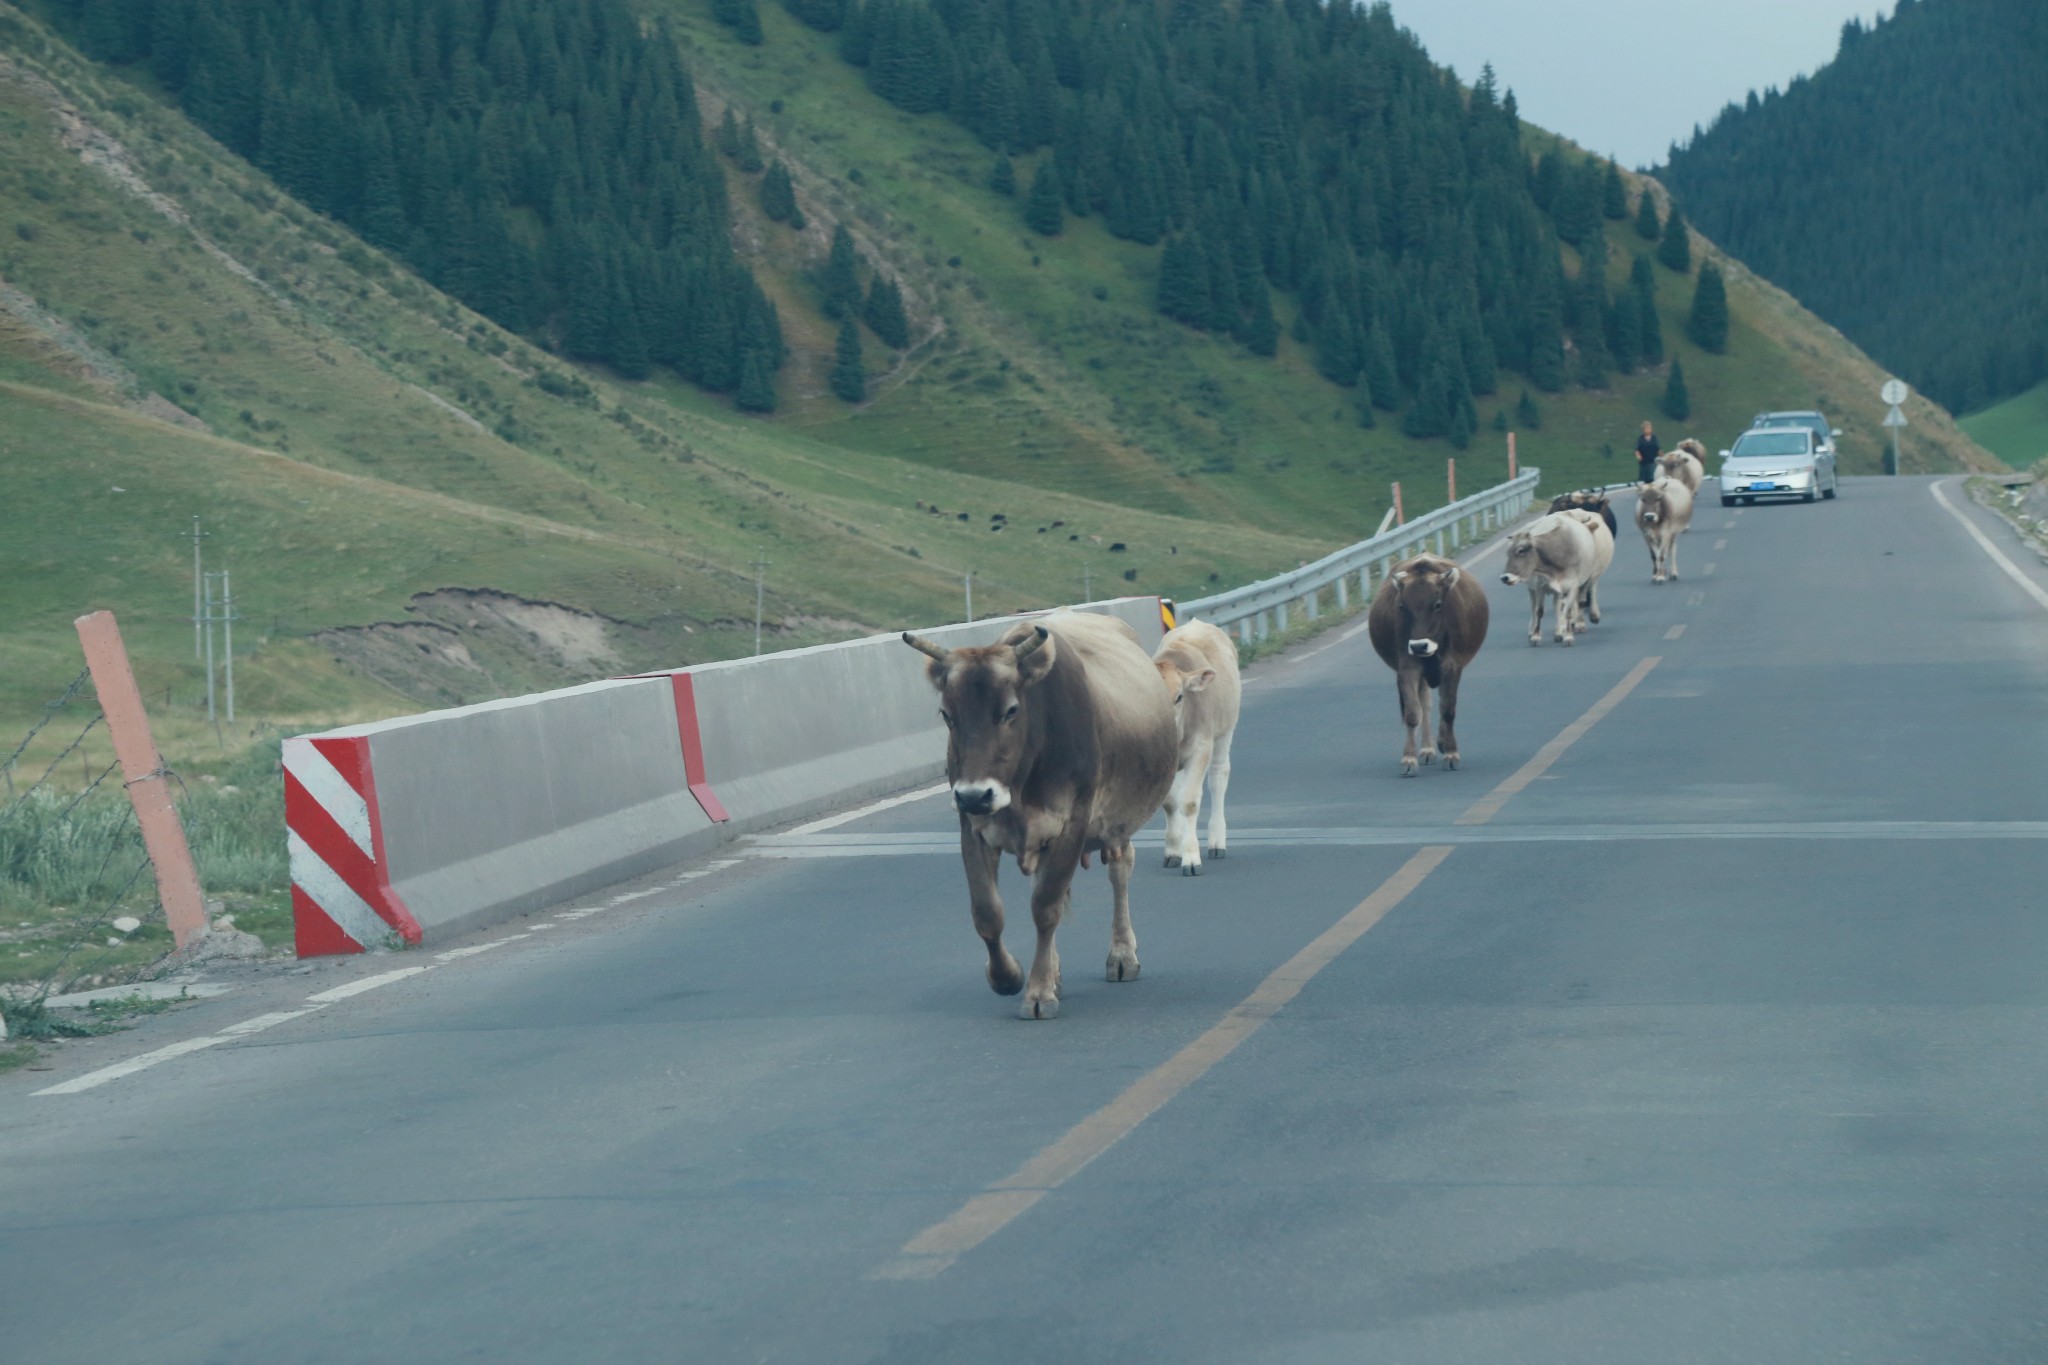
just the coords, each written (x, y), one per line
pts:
(1628, 78)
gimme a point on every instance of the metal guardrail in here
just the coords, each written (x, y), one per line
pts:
(1258, 609)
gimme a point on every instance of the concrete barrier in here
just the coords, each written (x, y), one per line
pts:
(423, 827)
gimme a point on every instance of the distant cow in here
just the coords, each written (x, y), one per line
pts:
(1588, 500)
(1060, 744)
(1555, 555)
(1686, 463)
(1198, 664)
(1663, 511)
(1427, 622)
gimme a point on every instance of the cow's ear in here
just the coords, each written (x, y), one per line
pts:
(1451, 575)
(1195, 682)
(1035, 655)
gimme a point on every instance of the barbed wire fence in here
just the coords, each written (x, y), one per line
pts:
(59, 846)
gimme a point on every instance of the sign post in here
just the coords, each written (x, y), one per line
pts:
(1894, 393)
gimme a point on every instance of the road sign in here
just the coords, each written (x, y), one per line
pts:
(1894, 392)
(1895, 418)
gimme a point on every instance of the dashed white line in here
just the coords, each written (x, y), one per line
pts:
(132, 1065)
(1708, 572)
(473, 949)
(1695, 599)
(1721, 544)
(1674, 632)
(833, 821)
(368, 983)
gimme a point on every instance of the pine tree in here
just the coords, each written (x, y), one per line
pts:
(1461, 426)
(747, 23)
(757, 384)
(1043, 212)
(1675, 250)
(839, 281)
(1002, 177)
(883, 313)
(1647, 225)
(1262, 332)
(849, 380)
(749, 155)
(728, 135)
(1677, 403)
(1614, 194)
(778, 196)
(1183, 291)
(1707, 324)
(1527, 415)
(1381, 380)
(1642, 295)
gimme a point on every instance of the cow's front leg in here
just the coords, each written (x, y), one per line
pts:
(1219, 783)
(1186, 809)
(1049, 892)
(1656, 557)
(1447, 715)
(981, 861)
(1123, 944)
(1408, 682)
(1423, 701)
(1536, 611)
(1567, 614)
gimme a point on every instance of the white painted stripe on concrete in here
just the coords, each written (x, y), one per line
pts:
(2011, 569)
(132, 1065)
(1674, 632)
(265, 1021)
(456, 954)
(1708, 572)
(1695, 599)
(872, 808)
(325, 784)
(334, 896)
(368, 983)
(1721, 544)
(635, 895)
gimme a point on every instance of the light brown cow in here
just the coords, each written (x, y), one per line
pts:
(1198, 664)
(1663, 511)
(1601, 525)
(1427, 622)
(1686, 462)
(1060, 743)
(1554, 555)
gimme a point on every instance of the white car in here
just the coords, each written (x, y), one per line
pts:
(1778, 462)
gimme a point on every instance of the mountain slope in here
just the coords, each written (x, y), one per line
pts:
(1901, 192)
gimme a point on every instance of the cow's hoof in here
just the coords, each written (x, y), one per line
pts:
(1427, 756)
(1005, 981)
(1218, 854)
(1122, 965)
(1536, 640)
(1568, 640)
(1173, 860)
(1407, 767)
(1450, 761)
(1047, 1008)
(1191, 870)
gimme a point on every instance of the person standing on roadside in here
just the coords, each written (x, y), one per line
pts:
(1647, 451)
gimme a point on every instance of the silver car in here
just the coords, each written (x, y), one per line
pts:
(1778, 462)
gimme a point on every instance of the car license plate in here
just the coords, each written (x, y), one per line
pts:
(1763, 488)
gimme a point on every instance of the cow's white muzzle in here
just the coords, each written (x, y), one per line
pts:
(1422, 649)
(983, 797)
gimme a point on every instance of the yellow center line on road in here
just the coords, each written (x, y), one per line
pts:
(936, 1248)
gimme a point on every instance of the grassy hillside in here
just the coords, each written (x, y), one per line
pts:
(367, 453)
(2016, 430)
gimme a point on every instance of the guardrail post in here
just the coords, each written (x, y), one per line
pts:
(1280, 616)
(1312, 605)
(1244, 629)
(1343, 592)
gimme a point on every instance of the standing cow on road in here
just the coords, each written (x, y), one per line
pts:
(1601, 527)
(1560, 555)
(1663, 511)
(1427, 622)
(1060, 743)
(1687, 463)
(1198, 664)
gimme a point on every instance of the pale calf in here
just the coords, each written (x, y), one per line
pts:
(1554, 555)
(1663, 511)
(1198, 664)
(1601, 525)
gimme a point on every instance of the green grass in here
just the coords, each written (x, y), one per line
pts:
(2016, 430)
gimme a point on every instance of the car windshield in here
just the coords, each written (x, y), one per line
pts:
(1770, 443)
(1812, 421)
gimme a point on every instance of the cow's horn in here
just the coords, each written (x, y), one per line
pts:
(924, 646)
(1028, 646)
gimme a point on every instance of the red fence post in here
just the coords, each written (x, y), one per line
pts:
(177, 880)
(1511, 457)
(1400, 519)
(1452, 465)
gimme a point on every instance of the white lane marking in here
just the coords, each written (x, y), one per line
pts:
(1695, 599)
(2011, 569)
(264, 1021)
(1708, 571)
(368, 983)
(833, 821)
(1727, 527)
(538, 927)
(473, 949)
(1721, 544)
(724, 863)
(132, 1065)
(1674, 632)
(635, 895)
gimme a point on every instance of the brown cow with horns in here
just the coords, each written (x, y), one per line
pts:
(1060, 744)
(1427, 622)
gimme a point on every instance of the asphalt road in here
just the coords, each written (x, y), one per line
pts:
(1722, 1036)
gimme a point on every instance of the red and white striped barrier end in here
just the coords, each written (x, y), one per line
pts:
(342, 899)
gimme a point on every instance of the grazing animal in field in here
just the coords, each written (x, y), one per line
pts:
(1588, 500)
(1060, 743)
(1198, 664)
(1554, 555)
(1663, 511)
(1686, 462)
(1603, 556)
(1427, 621)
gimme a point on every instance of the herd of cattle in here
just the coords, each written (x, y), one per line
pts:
(1064, 736)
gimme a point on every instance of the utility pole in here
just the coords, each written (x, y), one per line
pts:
(968, 581)
(1087, 588)
(197, 536)
(206, 600)
(227, 621)
(760, 589)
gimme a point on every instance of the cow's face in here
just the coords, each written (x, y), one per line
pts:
(1179, 682)
(1650, 505)
(985, 700)
(1522, 560)
(1424, 595)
